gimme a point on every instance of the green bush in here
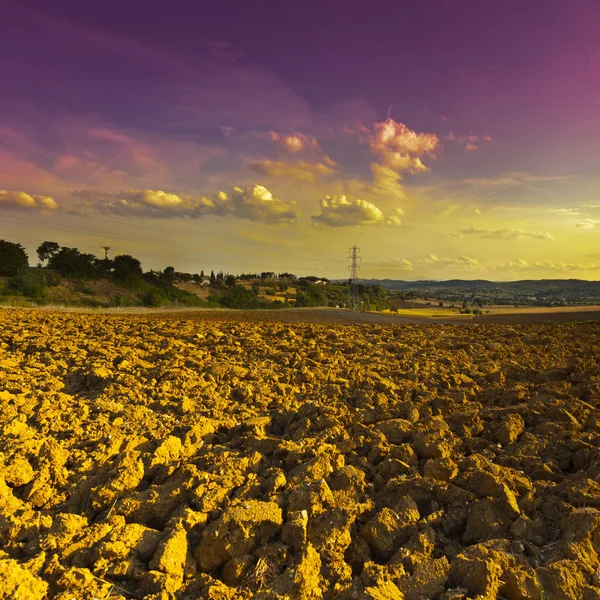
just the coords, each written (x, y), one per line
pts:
(120, 301)
(52, 279)
(27, 283)
(238, 297)
(154, 297)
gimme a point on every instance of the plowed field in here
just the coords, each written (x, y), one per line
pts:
(181, 458)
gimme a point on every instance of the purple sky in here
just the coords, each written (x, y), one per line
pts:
(194, 98)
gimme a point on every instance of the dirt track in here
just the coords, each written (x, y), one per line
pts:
(165, 457)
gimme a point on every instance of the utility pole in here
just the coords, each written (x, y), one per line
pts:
(106, 249)
(354, 268)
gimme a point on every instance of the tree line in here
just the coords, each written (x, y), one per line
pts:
(265, 289)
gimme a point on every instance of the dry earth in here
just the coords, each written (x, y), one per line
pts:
(178, 458)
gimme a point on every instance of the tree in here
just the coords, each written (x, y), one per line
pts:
(71, 262)
(126, 268)
(168, 276)
(13, 258)
(46, 250)
(230, 280)
(239, 297)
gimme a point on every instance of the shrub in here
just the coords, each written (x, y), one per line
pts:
(28, 284)
(119, 301)
(154, 298)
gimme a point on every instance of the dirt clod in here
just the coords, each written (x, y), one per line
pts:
(183, 458)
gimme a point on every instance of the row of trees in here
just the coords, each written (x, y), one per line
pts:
(154, 288)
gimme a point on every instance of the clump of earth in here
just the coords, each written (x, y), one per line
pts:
(145, 457)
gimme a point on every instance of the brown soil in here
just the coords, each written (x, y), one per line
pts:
(181, 458)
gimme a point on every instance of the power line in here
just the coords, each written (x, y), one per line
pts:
(128, 237)
(18, 239)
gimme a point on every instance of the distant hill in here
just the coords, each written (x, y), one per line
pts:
(524, 285)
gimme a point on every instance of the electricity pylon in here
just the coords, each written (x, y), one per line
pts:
(354, 268)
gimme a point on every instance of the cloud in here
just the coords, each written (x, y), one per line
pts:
(255, 203)
(397, 264)
(510, 179)
(462, 263)
(523, 265)
(23, 200)
(566, 212)
(150, 203)
(506, 233)
(398, 150)
(294, 143)
(156, 198)
(386, 182)
(468, 142)
(339, 211)
(588, 224)
(302, 171)
(390, 136)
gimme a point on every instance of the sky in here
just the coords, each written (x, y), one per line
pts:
(446, 139)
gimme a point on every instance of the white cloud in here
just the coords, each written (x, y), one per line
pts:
(339, 211)
(462, 263)
(390, 136)
(255, 203)
(397, 264)
(566, 212)
(588, 224)
(523, 265)
(506, 233)
(398, 150)
(23, 200)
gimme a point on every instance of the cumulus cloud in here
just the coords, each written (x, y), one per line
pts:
(294, 143)
(462, 263)
(302, 171)
(397, 264)
(506, 233)
(255, 203)
(588, 224)
(398, 150)
(23, 200)
(523, 265)
(309, 162)
(390, 136)
(339, 211)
